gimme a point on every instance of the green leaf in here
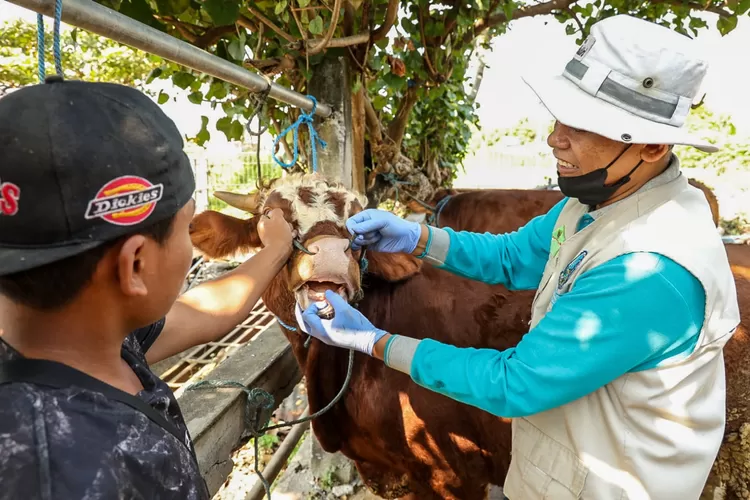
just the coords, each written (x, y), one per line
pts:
(223, 124)
(156, 73)
(203, 135)
(357, 85)
(303, 3)
(182, 79)
(726, 24)
(236, 50)
(140, 11)
(508, 8)
(280, 7)
(379, 101)
(742, 7)
(236, 130)
(195, 97)
(217, 91)
(316, 25)
(172, 7)
(163, 97)
(223, 12)
(304, 18)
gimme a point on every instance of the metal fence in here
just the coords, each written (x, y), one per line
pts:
(236, 171)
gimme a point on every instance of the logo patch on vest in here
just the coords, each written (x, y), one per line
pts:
(558, 238)
(585, 46)
(125, 201)
(570, 268)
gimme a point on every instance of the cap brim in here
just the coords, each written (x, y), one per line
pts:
(575, 108)
(18, 259)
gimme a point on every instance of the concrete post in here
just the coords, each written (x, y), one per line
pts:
(331, 83)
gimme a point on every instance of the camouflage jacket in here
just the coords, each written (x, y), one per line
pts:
(75, 443)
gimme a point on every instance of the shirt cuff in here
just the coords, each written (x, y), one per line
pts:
(437, 247)
(399, 352)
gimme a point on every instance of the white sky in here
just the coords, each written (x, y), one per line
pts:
(505, 98)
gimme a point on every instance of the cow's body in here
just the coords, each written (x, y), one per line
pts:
(405, 440)
(502, 210)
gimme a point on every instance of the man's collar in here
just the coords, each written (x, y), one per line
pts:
(670, 173)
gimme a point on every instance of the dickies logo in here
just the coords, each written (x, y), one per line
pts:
(9, 196)
(125, 201)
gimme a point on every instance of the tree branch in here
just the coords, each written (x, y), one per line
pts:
(539, 9)
(397, 127)
(480, 70)
(391, 14)
(318, 47)
(373, 122)
(248, 24)
(430, 67)
(213, 35)
(344, 41)
(185, 29)
(286, 36)
(577, 21)
(273, 65)
(697, 6)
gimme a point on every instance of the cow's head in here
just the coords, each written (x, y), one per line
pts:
(318, 210)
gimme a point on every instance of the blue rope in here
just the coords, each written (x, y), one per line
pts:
(304, 118)
(434, 219)
(56, 39)
(42, 71)
(290, 328)
(40, 45)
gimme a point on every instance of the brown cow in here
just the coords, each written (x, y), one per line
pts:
(492, 210)
(406, 441)
(496, 210)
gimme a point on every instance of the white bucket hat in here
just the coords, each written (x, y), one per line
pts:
(631, 81)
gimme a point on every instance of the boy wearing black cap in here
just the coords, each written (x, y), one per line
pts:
(95, 207)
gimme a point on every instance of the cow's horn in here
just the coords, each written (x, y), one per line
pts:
(247, 202)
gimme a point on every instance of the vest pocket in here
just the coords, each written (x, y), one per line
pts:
(542, 468)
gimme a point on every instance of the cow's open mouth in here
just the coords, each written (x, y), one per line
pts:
(314, 291)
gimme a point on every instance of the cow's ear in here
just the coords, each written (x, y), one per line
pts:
(218, 235)
(392, 266)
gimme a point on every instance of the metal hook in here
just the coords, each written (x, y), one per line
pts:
(299, 246)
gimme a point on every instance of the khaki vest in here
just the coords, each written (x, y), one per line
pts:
(652, 434)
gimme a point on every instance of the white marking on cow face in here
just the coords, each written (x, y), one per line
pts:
(318, 208)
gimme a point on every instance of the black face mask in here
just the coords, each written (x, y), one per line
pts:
(589, 188)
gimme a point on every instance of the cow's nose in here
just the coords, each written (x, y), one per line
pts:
(328, 246)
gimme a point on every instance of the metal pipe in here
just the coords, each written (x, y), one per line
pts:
(278, 460)
(106, 22)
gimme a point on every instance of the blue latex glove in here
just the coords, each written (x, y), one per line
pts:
(348, 328)
(383, 231)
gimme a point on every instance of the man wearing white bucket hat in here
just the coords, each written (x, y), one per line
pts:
(618, 389)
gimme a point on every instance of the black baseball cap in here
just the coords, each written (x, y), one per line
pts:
(83, 163)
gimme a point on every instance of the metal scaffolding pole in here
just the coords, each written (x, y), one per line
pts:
(106, 22)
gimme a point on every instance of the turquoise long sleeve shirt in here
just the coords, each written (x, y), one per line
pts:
(612, 321)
